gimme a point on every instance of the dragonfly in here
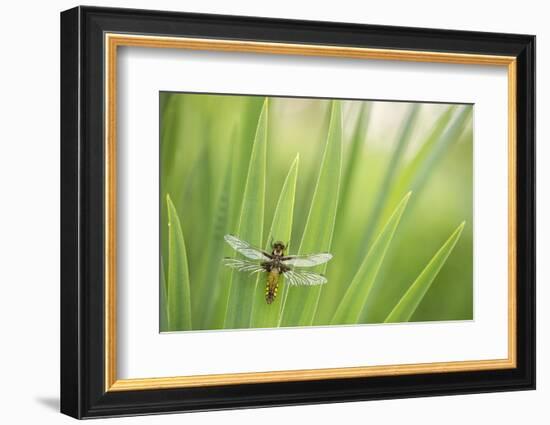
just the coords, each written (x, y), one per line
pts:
(275, 264)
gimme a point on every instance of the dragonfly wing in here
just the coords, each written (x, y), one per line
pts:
(245, 248)
(243, 265)
(303, 277)
(307, 260)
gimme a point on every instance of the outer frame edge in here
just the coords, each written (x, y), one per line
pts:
(70, 348)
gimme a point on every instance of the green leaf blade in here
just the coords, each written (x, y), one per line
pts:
(389, 176)
(242, 286)
(210, 294)
(350, 308)
(267, 315)
(300, 303)
(408, 304)
(350, 167)
(178, 292)
(417, 175)
(163, 303)
(445, 131)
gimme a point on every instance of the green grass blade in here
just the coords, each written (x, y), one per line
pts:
(243, 141)
(425, 156)
(337, 287)
(210, 293)
(408, 304)
(163, 305)
(444, 132)
(267, 315)
(194, 232)
(178, 292)
(416, 176)
(242, 286)
(354, 156)
(350, 308)
(300, 303)
(231, 198)
(389, 177)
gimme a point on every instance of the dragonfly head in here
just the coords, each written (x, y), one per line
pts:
(278, 248)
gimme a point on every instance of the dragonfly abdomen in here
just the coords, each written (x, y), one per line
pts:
(271, 286)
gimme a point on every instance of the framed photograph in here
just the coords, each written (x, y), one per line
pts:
(262, 212)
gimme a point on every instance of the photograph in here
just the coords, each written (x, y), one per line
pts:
(281, 212)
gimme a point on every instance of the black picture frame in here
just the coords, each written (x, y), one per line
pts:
(83, 392)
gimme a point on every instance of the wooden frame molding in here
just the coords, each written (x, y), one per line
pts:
(114, 40)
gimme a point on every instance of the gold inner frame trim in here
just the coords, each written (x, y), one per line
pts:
(113, 41)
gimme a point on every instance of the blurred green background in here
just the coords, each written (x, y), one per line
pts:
(387, 150)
